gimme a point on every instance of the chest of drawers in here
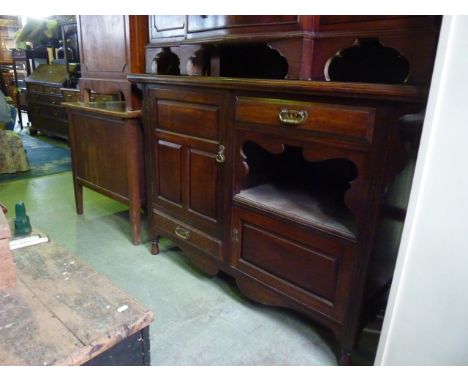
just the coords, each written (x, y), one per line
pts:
(45, 99)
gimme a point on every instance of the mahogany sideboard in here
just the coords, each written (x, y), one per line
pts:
(279, 183)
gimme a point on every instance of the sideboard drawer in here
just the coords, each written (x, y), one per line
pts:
(45, 99)
(186, 118)
(48, 111)
(339, 120)
(184, 233)
(196, 114)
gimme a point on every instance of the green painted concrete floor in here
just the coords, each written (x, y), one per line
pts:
(200, 320)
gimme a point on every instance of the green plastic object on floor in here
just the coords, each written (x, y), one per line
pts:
(22, 223)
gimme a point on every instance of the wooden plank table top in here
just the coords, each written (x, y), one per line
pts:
(61, 311)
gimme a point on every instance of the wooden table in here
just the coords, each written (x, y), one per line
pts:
(62, 312)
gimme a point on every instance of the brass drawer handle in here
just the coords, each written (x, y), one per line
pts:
(182, 232)
(292, 117)
(220, 157)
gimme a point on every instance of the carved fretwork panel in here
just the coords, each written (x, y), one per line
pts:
(166, 62)
(356, 195)
(368, 61)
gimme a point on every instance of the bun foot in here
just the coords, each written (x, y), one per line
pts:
(155, 247)
(345, 358)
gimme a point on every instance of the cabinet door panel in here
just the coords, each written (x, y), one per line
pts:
(189, 135)
(203, 178)
(204, 23)
(307, 265)
(104, 53)
(166, 26)
(302, 266)
(169, 165)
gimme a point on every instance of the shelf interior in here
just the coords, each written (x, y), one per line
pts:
(310, 193)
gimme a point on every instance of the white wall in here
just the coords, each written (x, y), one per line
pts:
(426, 321)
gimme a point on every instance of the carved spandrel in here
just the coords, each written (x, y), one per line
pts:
(355, 196)
(368, 60)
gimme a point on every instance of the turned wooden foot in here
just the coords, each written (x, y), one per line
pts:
(345, 357)
(155, 247)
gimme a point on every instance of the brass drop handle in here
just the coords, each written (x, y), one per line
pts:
(182, 232)
(220, 157)
(292, 117)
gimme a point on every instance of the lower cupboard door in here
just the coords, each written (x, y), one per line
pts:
(304, 265)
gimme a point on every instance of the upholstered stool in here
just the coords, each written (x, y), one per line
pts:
(12, 154)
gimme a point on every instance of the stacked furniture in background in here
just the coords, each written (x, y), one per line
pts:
(45, 113)
(105, 131)
(45, 97)
(24, 63)
(279, 180)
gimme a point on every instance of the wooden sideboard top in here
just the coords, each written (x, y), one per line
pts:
(402, 93)
(103, 109)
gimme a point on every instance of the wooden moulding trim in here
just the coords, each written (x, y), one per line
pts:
(262, 37)
(233, 39)
(375, 33)
(128, 114)
(402, 93)
(269, 295)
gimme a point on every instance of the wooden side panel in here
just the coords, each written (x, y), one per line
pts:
(203, 190)
(169, 165)
(100, 151)
(138, 39)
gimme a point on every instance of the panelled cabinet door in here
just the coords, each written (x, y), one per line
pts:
(168, 165)
(310, 266)
(189, 156)
(163, 27)
(104, 46)
(206, 23)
